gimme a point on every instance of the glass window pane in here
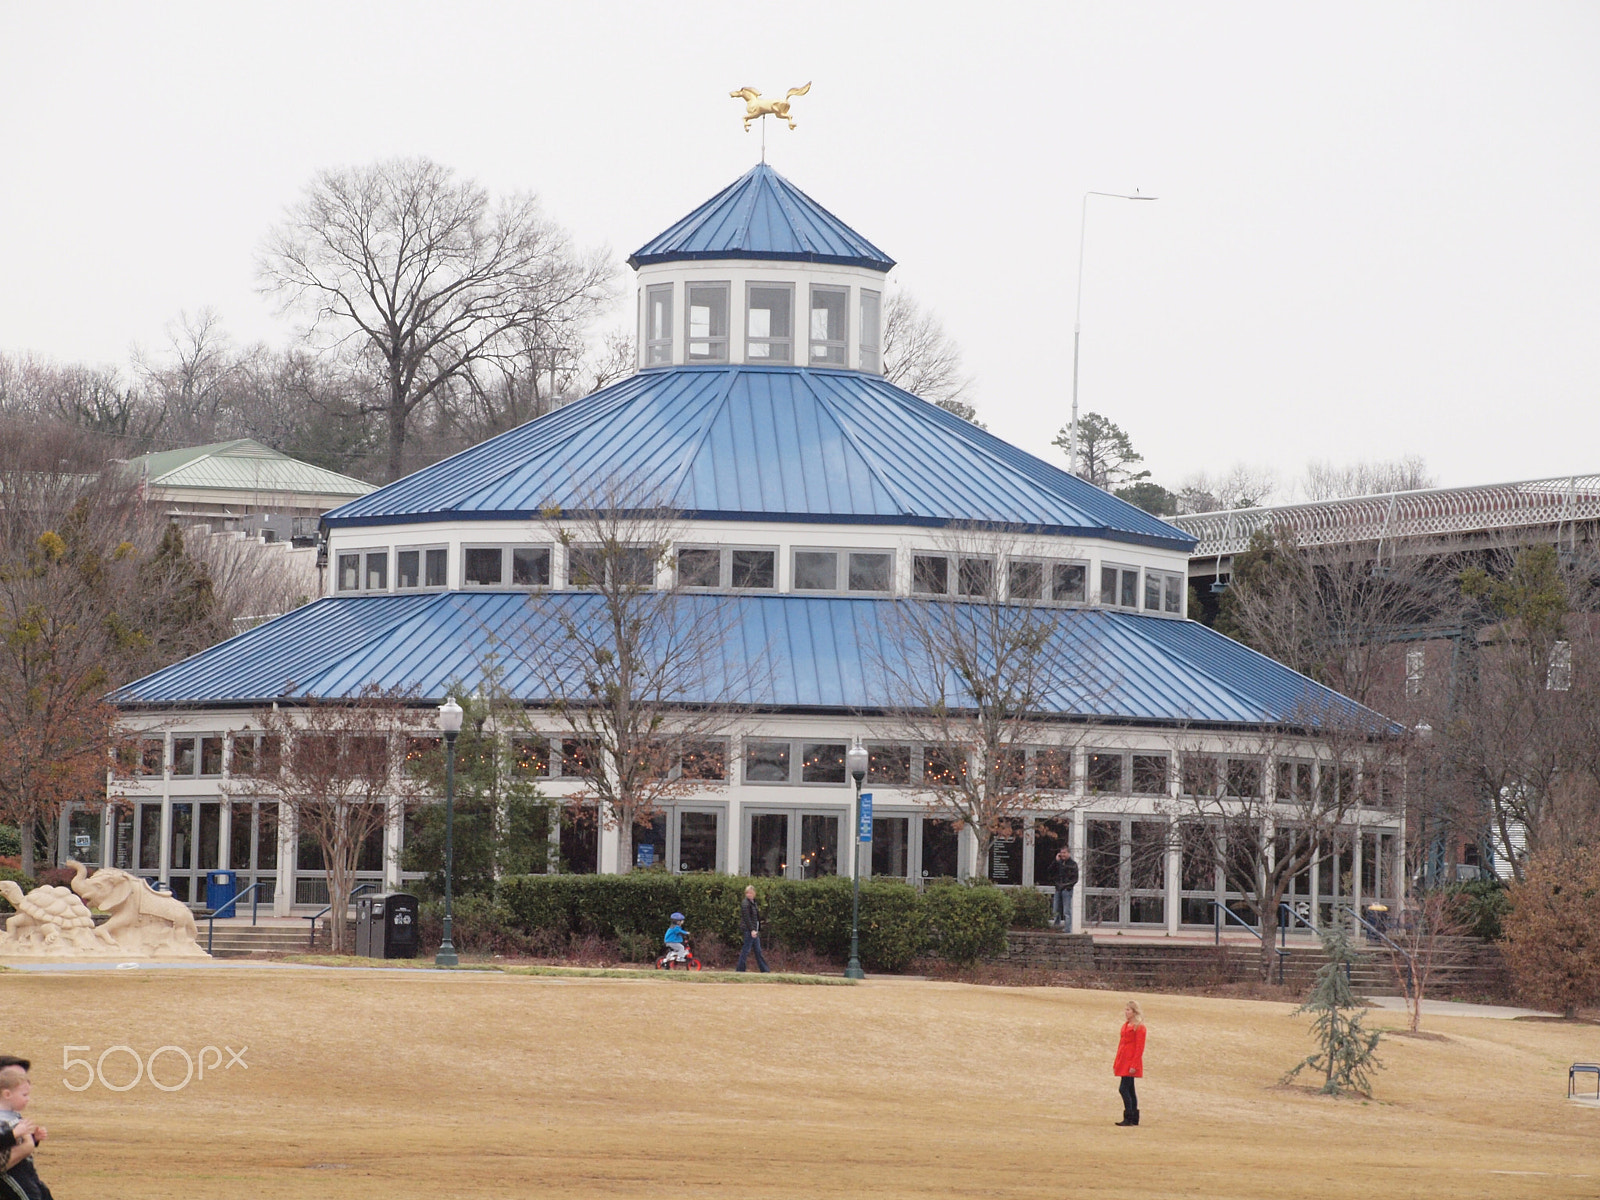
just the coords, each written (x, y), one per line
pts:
(708, 322)
(1103, 865)
(1052, 770)
(1048, 838)
(942, 765)
(658, 326)
(769, 845)
(149, 837)
(1149, 774)
(1025, 580)
(939, 848)
(208, 843)
(435, 561)
(378, 571)
(770, 324)
(870, 572)
(888, 764)
(822, 762)
(483, 566)
(580, 840)
(211, 755)
(241, 821)
(183, 756)
(585, 566)
(766, 762)
(1148, 855)
(697, 841)
(1173, 594)
(704, 760)
(871, 324)
(530, 566)
(930, 574)
(816, 570)
(181, 846)
(755, 568)
(891, 846)
(1130, 589)
(828, 307)
(408, 568)
(635, 566)
(1152, 592)
(1108, 585)
(699, 568)
(349, 572)
(651, 834)
(1070, 582)
(530, 756)
(975, 577)
(819, 846)
(1105, 771)
(152, 756)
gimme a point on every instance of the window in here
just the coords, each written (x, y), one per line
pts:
(699, 568)
(658, 326)
(530, 566)
(1558, 678)
(1202, 775)
(349, 573)
(420, 568)
(579, 759)
(1024, 580)
(183, 756)
(711, 567)
(363, 571)
(943, 766)
(211, 754)
(378, 571)
(871, 332)
(1163, 592)
(889, 765)
(931, 575)
(1149, 774)
(975, 576)
(766, 762)
(1069, 582)
(829, 325)
(530, 756)
(708, 322)
(864, 570)
(1119, 586)
(1052, 769)
(822, 762)
(152, 756)
(1294, 780)
(483, 566)
(706, 760)
(769, 322)
(621, 566)
(1244, 777)
(753, 569)
(1105, 771)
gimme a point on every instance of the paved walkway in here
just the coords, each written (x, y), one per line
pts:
(1457, 1008)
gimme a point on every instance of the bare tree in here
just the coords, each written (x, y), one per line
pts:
(421, 276)
(919, 356)
(973, 672)
(1427, 940)
(339, 766)
(192, 384)
(640, 673)
(1324, 481)
(1240, 486)
(1267, 808)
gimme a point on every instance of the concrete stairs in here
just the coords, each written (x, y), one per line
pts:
(232, 940)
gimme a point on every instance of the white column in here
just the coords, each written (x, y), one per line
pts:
(288, 840)
(610, 849)
(1078, 850)
(1174, 879)
(732, 859)
(392, 827)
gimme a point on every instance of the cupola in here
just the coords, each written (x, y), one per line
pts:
(761, 274)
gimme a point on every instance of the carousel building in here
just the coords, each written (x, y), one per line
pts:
(808, 496)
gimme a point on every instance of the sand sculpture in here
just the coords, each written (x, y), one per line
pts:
(56, 922)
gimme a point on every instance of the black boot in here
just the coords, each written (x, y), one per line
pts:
(1135, 1115)
(1129, 1117)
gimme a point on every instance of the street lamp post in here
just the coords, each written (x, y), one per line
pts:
(450, 726)
(855, 761)
(1077, 319)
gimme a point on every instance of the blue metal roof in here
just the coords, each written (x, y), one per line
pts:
(747, 443)
(812, 654)
(762, 216)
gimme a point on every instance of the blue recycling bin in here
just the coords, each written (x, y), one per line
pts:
(220, 889)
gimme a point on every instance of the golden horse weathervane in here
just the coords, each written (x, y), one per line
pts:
(755, 106)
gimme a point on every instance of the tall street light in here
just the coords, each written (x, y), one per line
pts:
(1077, 319)
(855, 761)
(450, 726)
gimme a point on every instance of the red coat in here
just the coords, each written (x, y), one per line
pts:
(1130, 1052)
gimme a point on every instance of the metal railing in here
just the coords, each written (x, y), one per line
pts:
(1219, 910)
(1410, 981)
(255, 904)
(311, 941)
(1399, 515)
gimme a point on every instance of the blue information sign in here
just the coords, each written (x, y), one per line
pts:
(864, 832)
(647, 854)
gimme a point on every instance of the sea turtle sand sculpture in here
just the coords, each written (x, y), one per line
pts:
(50, 920)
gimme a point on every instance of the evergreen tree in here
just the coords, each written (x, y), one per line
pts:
(1349, 1053)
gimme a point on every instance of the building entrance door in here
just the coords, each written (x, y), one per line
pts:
(194, 846)
(253, 847)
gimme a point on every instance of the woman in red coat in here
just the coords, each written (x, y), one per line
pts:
(1130, 1060)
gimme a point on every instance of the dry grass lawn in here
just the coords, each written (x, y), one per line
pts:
(419, 1083)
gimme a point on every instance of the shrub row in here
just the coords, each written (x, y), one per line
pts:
(959, 922)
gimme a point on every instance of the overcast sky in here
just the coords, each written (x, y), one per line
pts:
(1378, 230)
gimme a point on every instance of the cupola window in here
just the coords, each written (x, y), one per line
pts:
(658, 325)
(769, 328)
(708, 322)
(829, 325)
(872, 332)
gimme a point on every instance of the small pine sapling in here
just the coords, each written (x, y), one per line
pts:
(1348, 1053)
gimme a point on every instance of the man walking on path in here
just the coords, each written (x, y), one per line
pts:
(750, 926)
(1066, 878)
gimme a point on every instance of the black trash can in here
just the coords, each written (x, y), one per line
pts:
(386, 925)
(221, 886)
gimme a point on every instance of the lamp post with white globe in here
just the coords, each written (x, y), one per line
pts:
(450, 726)
(855, 761)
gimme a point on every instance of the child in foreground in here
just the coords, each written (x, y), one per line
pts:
(23, 1135)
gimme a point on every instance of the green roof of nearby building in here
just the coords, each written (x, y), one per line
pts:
(242, 465)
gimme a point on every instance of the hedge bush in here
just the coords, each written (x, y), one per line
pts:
(1480, 905)
(898, 923)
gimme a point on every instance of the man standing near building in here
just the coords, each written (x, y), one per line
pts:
(1066, 878)
(750, 926)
